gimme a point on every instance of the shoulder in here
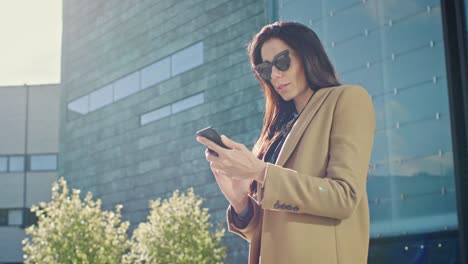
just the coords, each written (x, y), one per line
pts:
(350, 99)
(348, 94)
(349, 90)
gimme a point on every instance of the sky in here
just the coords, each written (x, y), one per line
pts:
(30, 41)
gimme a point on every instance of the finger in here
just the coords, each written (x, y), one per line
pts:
(211, 145)
(209, 156)
(209, 152)
(231, 143)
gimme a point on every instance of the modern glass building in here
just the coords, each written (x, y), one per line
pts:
(395, 49)
(140, 78)
(399, 51)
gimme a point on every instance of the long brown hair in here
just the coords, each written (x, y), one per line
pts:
(318, 70)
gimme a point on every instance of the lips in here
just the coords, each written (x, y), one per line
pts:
(282, 86)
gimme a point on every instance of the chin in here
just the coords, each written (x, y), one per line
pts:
(287, 98)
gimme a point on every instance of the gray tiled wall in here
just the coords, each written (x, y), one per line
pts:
(107, 151)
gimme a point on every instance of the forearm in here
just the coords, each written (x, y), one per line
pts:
(253, 226)
(241, 205)
(291, 191)
(243, 218)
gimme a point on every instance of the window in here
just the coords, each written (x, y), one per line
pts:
(43, 162)
(15, 217)
(156, 73)
(126, 86)
(16, 164)
(30, 218)
(187, 58)
(100, 98)
(80, 105)
(155, 115)
(187, 103)
(3, 164)
(177, 63)
(174, 108)
(3, 217)
(38, 162)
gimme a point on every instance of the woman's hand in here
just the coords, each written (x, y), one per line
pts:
(235, 162)
(235, 190)
(234, 169)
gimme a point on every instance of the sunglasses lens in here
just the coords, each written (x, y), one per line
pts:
(264, 70)
(283, 62)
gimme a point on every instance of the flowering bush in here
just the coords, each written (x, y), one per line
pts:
(177, 231)
(70, 230)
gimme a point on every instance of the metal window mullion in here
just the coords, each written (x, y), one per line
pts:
(456, 62)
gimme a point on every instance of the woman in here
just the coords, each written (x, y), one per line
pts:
(300, 195)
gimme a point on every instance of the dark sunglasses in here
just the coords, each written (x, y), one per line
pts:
(281, 61)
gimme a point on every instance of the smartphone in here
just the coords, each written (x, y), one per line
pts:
(213, 135)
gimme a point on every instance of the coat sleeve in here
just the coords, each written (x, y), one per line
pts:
(253, 228)
(337, 194)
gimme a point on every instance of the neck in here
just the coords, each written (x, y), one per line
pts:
(301, 100)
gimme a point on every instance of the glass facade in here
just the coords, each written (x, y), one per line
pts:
(394, 49)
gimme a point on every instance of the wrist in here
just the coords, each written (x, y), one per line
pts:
(241, 205)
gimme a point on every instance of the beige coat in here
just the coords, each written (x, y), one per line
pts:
(313, 205)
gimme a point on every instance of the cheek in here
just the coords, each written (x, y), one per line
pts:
(297, 71)
(298, 75)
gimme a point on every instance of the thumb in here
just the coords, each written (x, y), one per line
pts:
(229, 142)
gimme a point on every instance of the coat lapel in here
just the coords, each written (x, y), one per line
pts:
(301, 124)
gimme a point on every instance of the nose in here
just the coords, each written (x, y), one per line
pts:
(275, 73)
